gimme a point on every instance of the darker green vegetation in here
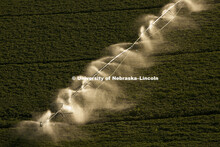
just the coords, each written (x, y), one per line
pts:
(44, 43)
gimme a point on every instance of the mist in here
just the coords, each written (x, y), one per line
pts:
(81, 101)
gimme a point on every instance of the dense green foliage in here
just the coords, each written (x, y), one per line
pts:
(44, 43)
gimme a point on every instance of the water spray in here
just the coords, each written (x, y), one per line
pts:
(122, 58)
(152, 24)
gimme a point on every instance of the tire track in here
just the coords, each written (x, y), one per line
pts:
(79, 12)
(47, 62)
(182, 53)
(89, 59)
(157, 118)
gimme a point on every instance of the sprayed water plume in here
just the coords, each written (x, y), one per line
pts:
(83, 98)
(54, 131)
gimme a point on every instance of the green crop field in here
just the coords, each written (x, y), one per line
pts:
(44, 43)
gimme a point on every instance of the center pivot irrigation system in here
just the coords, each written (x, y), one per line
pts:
(178, 5)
